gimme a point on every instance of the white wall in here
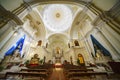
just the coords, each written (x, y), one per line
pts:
(11, 4)
(112, 37)
(6, 32)
(104, 5)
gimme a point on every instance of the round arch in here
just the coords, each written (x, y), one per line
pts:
(60, 35)
(39, 2)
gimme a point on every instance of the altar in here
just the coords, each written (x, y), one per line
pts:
(58, 65)
(58, 56)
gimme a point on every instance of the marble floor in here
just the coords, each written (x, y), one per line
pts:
(57, 74)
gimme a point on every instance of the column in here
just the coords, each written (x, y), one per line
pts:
(5, 37)
(71, 43)
(115, 10)
(112, 50)
(111, 37)
(7, 16)
(14, 37)
(82, 16)
(88, 50)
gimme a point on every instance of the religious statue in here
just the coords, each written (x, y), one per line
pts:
(58, 50)
(99, 55)
(69, 45)
(39, 43)
(44, 59)
(71, 60)
(46, 45)
(81, 60)
(34, 60)
(16, 57)
(58, 55)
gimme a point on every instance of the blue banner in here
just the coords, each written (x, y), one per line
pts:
(97, 46)
(17, 46)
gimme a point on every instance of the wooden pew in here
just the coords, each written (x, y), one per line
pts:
(42, 75)
(77, 70)
(74, 68)
(35, 70)
(79, 74)
(48, 67)
(69, 66)
(2, 77)
(115, 67)
(80, 70)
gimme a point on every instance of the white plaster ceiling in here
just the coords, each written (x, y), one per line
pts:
(57, 17)
(58, 40)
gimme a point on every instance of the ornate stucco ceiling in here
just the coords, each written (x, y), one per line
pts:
(57, 17)
(58, 40)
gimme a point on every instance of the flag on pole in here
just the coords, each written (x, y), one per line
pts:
(17, 46)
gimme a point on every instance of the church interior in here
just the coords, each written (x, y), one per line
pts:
(59, 39)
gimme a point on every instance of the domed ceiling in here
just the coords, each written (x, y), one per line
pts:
(57, 17)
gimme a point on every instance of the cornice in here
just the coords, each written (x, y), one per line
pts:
(104, 15)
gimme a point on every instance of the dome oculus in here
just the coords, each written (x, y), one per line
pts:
(57, 17)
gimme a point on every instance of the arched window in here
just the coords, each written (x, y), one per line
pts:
(76, 43)
(39, 43)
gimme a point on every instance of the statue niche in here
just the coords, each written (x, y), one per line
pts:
(81, 60)
(58, 55)
(39, 43)
(34, 60)
(76, 43)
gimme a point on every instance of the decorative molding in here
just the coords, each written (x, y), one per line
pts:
(102, 15)
(106, 16)
(7, 16)
(114, 12)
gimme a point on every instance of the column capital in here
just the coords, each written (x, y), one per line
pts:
(96, 30)
(85, 39)
(7, 16)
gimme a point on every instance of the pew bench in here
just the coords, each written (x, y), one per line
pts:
(41, 75)
(2, 76)
(36, 70)
(77, 70)
(77, 75)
